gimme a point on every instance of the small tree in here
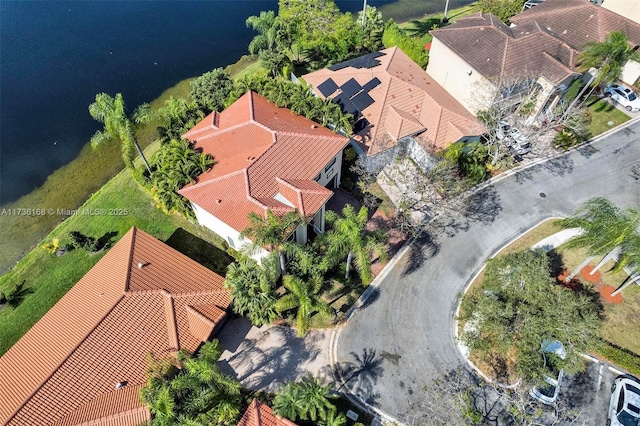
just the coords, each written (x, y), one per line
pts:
(84, 242)
(304, 298)
(253, 289)
(198, 394)
(349, 238)
(501, 9)
(272, 231)
(308, 399)
(211, 89)
(393, 36)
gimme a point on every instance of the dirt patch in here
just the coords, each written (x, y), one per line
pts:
(575, 284)
(605, 293)
(586, 275)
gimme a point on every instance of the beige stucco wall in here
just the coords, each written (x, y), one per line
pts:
(454, 74)
(627, 8)
(631, 71)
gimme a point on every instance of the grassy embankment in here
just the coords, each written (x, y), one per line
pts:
(620, 336)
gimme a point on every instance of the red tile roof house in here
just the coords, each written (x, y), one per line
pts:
(260, 414)
(543, 41)
(266, 158)
(399, 106)
(83, 363)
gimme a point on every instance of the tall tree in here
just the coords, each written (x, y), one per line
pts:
(272, 231)
(253, 289)
(604, 228)
(117, 127)
(349, 238)
(304, 298)
(520, 305)
(198, 394)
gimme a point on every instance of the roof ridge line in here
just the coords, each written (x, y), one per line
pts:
(310, 135)
(134, 230)
(208, 181)
(170, 317)
(197, 313)
(55, 370)
(222, 131)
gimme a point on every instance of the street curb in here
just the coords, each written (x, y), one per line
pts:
(337, 330)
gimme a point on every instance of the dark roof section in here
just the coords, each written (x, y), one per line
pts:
(371, 84)
(350, 88)
(328, 87)
(367, 61)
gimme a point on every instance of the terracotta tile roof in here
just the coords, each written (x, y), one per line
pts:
(64, 370)
(255, 144)
(577, 22)
(405, 102)
(545, 39)
(260, 414)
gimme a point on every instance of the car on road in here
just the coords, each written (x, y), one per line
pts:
(624, 96)
(624, 408)
(548, 394)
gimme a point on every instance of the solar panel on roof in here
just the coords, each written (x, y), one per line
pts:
(346, 105)
(362, 101)
(374, 82)
(351, 87)
(327, 87)
(367, 61)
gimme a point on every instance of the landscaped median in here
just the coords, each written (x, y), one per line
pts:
(618, 339)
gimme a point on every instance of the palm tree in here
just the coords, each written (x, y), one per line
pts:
(608, 57)
(117, 126)
(252, 290)
(272, 231)
(630, 257)
(308, 399)
(604, 228)
(304, 298)
(349, 238)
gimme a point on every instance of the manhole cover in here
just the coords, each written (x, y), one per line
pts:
(543, 195)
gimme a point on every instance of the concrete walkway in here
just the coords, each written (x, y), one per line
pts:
(264, 358)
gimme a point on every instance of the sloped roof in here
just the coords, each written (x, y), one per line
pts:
(132, 302)
(406, 100)
(545, 39)
(255, 143)
(260, 414)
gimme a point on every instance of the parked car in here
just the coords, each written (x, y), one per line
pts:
(516, 140)
(549, 393)
(624, 96)
(624, 407)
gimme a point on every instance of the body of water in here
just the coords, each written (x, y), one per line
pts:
(56, 55)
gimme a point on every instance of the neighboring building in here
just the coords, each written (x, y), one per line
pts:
(543, 41)
(266, 158)
(627, 8)
(84, 362)
(397, 105)
(260, 414)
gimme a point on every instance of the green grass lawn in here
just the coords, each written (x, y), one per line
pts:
(48, 277)
(420, 27)
(604, 116)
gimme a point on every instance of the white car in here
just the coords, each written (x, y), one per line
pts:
(549, 393)
(624, 408)
(517, 141)
(624, 96)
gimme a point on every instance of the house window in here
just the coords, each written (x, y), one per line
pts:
(317, 178)
(232, 243)
(330, 165)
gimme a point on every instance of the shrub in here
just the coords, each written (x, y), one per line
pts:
(622, 357)
(393, 36)
(210, 90)
(84, 242)
(53, 246)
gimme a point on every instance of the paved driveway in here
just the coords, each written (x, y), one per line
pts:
(266, 357)
(406, 331)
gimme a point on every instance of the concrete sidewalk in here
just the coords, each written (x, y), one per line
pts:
(264, 358)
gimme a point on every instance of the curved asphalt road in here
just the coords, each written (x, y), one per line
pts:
(409, 323)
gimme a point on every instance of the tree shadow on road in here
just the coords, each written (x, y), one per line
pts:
(421, 250)
(483, 206)
(361, 375)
